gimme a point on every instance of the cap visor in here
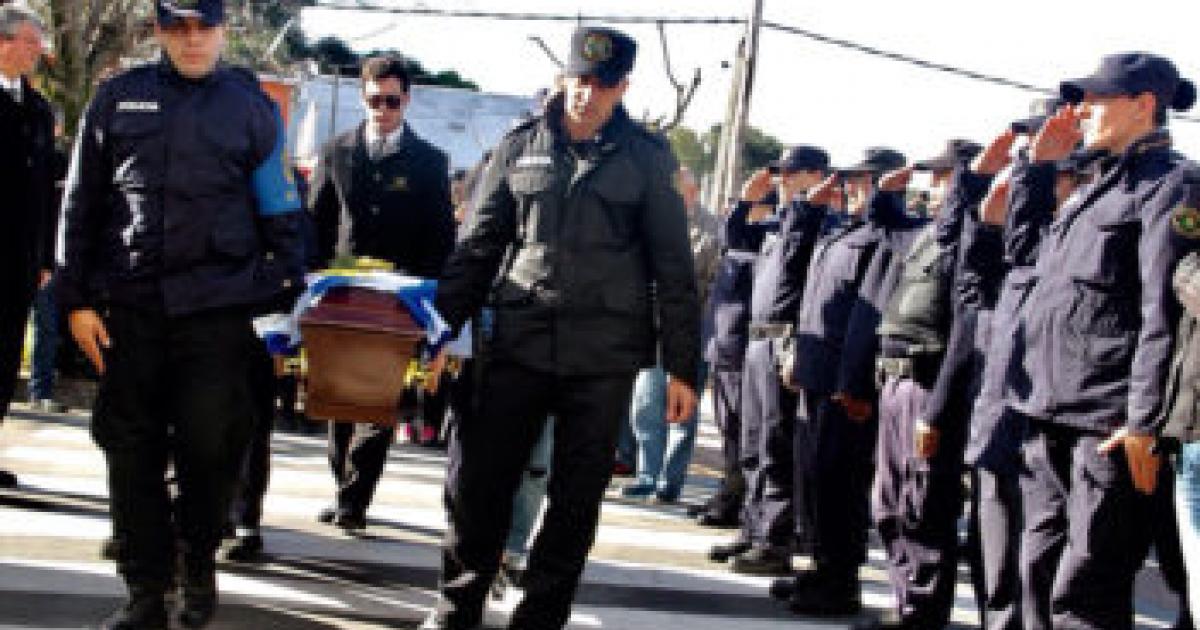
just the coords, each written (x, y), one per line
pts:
(1076, 90)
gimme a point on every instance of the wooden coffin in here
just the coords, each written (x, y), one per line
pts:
(358, 343)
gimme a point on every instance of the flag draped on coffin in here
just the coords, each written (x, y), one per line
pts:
(281, 331)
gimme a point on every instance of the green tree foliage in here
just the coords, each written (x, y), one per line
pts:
(698, 151)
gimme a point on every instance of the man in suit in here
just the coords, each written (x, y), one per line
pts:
(378, 191)
(27, 134)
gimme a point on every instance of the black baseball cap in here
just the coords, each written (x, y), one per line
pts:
(604, 53)
(1130, 74)
(800, 158)
(1039, 112)
(209, 12)
(877, 160)
(957, 151)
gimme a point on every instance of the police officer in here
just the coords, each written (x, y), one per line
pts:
(27, 177)
(1096, 337)
(998, 253)
(576, 217)
(179, 221)
(380, 191)
(741, 237)
(764, 544)
(832, 452)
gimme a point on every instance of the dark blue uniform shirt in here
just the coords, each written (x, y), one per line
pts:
(1099, 326)
(783, 264)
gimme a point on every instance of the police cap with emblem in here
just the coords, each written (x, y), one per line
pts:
(1130, 74)
(957, 151)
(603, 53)
(800, 158)
(210, 12)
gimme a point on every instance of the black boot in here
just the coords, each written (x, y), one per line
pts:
(782, 589)
(828, 595)
(144, 610)
(722, 553)
(197, 594)
(763, 560)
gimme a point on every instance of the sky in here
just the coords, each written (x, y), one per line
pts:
(810, 92)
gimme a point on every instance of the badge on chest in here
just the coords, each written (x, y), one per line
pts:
(398, 183)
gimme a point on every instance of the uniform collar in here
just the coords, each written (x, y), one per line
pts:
(393, 139)
(168, 70)
(610, 135)
(11, 86)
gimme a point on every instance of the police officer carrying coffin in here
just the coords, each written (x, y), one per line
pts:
(178, 221)
(379, 191)
(764, 544)
(1096, 338)
(576, 218)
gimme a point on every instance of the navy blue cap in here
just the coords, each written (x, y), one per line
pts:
(604, 53)
(957, 151)
(210, 12)
(1130, 74)
(878, 160)
(800, 158)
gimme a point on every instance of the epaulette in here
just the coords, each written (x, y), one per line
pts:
(243, 74)
(654, 135)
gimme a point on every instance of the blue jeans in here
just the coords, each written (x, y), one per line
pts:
(1187, 510)
(45, 343)
(664, 450)
(527, 503)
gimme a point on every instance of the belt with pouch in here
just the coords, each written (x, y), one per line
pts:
(922, 368)
(769, 330)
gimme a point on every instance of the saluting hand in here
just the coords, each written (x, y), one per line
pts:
(90, 333)
(827, 193)
(681, 401)
(997, 155)
(757, 186)
(1058, 137)
(1143, 462)
(897, 180)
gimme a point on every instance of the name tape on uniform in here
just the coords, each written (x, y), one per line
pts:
(534, 161)
(137, 106)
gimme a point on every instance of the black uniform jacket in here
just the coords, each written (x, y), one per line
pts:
(399, 202)
(568, 238)
(1099, 327)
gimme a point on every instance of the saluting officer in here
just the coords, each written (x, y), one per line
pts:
(741, 236)
(576, 217)
(179, 222)
(764, 544)
(1096, 337)
(832, 452)
(381, 191)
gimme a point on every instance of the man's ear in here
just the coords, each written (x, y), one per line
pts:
(1147, 105)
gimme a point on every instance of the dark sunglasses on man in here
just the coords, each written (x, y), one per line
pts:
(378, 101)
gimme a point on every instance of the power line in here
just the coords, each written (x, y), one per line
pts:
(342, 5)
(358, 5)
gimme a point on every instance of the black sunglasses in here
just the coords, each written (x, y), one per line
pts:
(392, 101)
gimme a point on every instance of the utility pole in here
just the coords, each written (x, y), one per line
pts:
(729, 159)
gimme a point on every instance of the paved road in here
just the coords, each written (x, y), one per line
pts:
(648, 569)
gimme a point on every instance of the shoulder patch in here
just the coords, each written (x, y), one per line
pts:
(1185, 220)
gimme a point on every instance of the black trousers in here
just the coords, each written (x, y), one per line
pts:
(251, 487)
(1087, 531)
(834, 462)
(14, 313)
(727, 403)
(489, 450)
(994, 533)
(174, 390)
(357, 454)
